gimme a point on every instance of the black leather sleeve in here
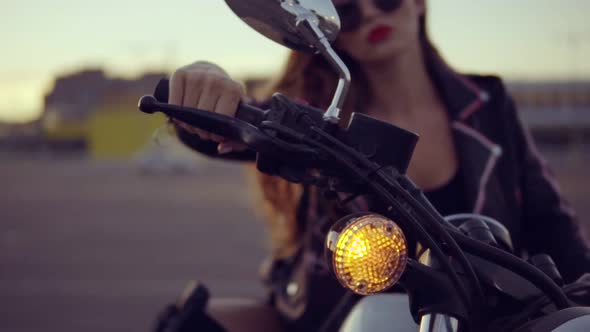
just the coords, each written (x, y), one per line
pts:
(550, 224)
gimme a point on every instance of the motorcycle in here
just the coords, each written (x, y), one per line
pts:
(466, 278)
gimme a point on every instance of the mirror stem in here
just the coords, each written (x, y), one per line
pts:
(314, 35)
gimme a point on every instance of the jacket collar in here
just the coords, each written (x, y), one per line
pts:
(462, 97)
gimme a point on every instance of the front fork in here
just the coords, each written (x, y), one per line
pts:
(433, 321)
(438, 323)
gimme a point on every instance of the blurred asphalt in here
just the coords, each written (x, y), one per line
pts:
(98, 247)
(95, 246)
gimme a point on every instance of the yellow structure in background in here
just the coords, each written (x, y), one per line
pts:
(65, 131)
(92, 113)
(117, 129)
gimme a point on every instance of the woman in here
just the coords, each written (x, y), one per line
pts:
(473, 154)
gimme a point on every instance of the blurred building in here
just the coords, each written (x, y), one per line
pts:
(557, 111)
(117, 129)
(92, 112)
(555, 96)
(16, 137)
(77, 108)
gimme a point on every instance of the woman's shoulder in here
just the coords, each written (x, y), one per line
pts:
(494, 86)
(496, 99)
(495, 112)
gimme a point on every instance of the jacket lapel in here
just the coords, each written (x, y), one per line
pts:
(478, 155)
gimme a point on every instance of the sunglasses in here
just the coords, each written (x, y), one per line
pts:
(351, 16)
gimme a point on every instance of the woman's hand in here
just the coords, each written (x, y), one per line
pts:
(207, 87)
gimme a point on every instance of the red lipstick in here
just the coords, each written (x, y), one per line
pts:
(379, 33)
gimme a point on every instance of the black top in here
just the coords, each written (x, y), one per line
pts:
(449, 198)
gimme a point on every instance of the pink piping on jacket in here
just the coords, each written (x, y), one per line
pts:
(476, 104)
(472, 108)
(481, 194)
(475, 134)
(495, 152)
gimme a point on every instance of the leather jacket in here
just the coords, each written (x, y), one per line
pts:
(504, 177)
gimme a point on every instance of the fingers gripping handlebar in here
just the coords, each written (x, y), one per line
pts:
(223, 125)
(244, 112)
(241, 128)
(381, 142)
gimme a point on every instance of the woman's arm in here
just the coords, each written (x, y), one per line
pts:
(550, 224)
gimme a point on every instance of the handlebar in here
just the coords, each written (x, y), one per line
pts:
(242, 127)
(223, 125)
(245, 112)
(363, 133)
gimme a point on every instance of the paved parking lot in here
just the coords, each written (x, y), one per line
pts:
(99, 247)
(96, 246)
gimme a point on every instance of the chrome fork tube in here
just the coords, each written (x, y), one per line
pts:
(438, 323)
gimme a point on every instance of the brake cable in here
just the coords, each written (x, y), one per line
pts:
(493, 254)
(438, 228)
(413, 223)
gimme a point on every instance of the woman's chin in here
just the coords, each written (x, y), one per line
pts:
(380, 52)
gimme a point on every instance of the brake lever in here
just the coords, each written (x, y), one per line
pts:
(223, 125)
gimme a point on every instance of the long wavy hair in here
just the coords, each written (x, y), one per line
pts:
(310, 78)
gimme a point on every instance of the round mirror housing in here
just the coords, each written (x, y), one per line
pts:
(279, 20)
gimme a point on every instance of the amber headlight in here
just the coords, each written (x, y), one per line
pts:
(367, 252)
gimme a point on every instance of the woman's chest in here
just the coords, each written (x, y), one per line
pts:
(434, 162)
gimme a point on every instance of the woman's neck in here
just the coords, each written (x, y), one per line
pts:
(401, 85)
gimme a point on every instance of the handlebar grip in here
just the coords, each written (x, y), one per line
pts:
(223, 125)
(245, 112)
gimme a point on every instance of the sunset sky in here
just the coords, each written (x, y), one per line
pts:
(517, 39)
